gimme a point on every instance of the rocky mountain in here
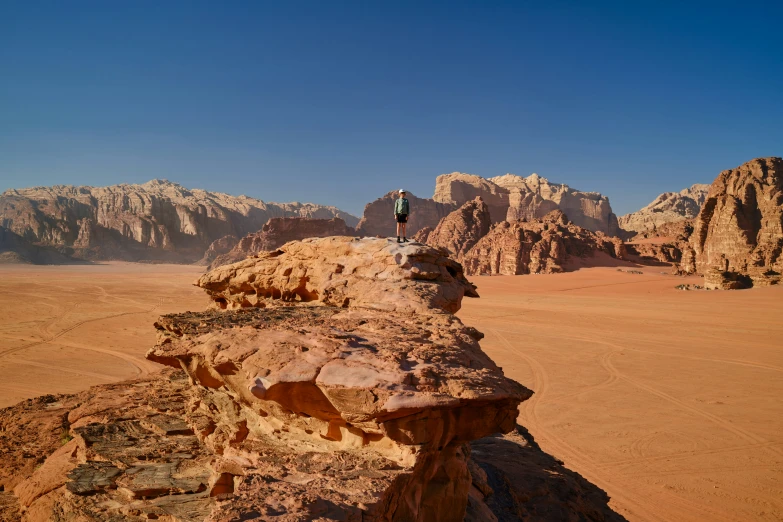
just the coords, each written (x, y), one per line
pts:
(15, 249)
(217, 248)
(667, 208)
(462, 229)
(739, 230)
(319, 392)
(548, 245)
(158, 220)
(507, 197)
(279, 231)
(532, 197)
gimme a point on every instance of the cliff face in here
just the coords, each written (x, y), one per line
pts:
(15, 249)
(378, 218)
(740, 227)
(279, 231)
(669, 207)
(158, 220)
(545, 246)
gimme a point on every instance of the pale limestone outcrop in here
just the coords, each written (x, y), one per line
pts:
(343, 271)
(669, 207)
(740, 226)
(157, 220)
(462, 229)
(279, 231)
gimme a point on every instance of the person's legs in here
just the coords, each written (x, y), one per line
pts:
(403, 231)
(399, 226)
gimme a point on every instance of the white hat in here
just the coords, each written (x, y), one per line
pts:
(402, 191)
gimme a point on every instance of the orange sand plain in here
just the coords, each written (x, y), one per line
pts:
(66, 328)
(671, 401)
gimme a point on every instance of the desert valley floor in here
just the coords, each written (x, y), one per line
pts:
(668, 400)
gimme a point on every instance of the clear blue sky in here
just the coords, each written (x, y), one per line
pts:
(339, 102)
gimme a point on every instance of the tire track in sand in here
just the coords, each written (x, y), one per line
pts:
(142, 369)
(645, 508)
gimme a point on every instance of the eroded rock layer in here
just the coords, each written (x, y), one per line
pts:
(279, 231)
(158, 220)
(669, 207)
(461, 229)
(740, 226)
(543, 246)
(344, 271)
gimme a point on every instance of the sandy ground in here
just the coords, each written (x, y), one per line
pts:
(65, 328)
(671, 401)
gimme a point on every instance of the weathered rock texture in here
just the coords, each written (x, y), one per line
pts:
(158, 220)
(666, 208)
(740, 226)
(545, 246)
(343, 271)
(295, 411)
(378, 218)
(279, 231)
(462, 229)
(15, 249)
(533, 196)
(457, 189)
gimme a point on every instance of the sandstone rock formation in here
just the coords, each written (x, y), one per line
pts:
(378, 218)
(533, 196)
(299, 410)
(667, 208)
(545, 246)
(462, 229)
(343, 271)
(217, 248)
(457, 189)
(508, 197)
(158, 220)
(740, 226)
(15, 249)
(279, 231)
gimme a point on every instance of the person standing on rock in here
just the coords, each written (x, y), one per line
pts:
(401, 211)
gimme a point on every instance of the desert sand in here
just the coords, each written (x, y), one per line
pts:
(66, 328)
(669, 400)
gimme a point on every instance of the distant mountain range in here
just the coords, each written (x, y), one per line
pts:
(155, 221)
